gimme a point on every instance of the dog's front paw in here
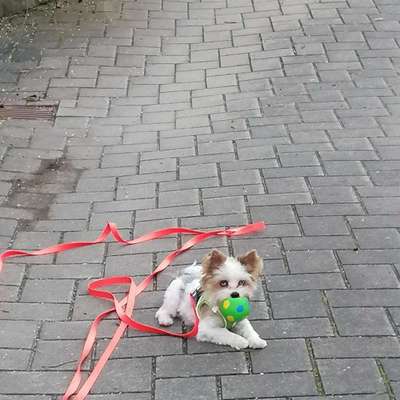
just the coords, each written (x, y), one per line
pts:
(163, 318)
(239, 343)
(257, 343)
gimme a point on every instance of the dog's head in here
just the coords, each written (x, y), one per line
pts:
(224, 276)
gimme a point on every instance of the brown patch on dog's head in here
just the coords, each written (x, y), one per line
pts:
(213, 260)
(210, 263)
(252, 262)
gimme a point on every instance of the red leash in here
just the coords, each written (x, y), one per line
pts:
(125, 307)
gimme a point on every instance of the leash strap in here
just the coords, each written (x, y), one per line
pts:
(124, 308)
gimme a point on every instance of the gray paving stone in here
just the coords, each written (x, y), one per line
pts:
(356, 347)
(135, 263)
(35, 240)
(121, 205)
(92, 254)
(210, 221)
(273, 214)
(72, 330)
(364, 298)
(215, 148)
(395, 313)
(13, 275)
(7, 227)
(396, 388)
(389, 191)
(67, 211)
(201, 364)
(126, 396)
(118, 160)
(175, 198)
(238, 177)
(125, 375)
(335, 195)
(224, 205)
(86, 308)
(318, 226)
(232, 191)
(96, 185)
(371, 276)
(391, 367)
(297, 304)
(278, 231)
(286, 185)
(344, 168)
(196, 171)
(329, 210)
(48, 290)
(60, 225)
(147, 178)
(283, 384)
(162, 165)
(34, 311)
(144, 346)
(278, 199)
(18, 334)
(298, 159)
(11, 397)
(181, 388)
(350, 397)
(8, 293)
(350, 376)
(377, 238)
(199, 183)
(56, 355)
(294, 328)
(98, 220)
(167, 212)
(330, 280)
(269, 248)
(382, 205)
(369, 256)
(288, 172)
(23, 382)
(281, 356)
(371, 321)
(312, 261)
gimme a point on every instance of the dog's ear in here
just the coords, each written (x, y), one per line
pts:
(253, 263)
(213, 260)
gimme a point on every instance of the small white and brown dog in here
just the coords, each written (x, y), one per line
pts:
(217, 278)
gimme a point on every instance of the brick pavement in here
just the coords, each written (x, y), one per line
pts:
(201, 114)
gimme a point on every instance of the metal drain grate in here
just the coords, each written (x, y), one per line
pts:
(17, 111)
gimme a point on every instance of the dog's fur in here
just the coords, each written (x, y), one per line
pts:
(237, 275)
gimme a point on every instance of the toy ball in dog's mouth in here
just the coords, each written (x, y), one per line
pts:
(234, 309)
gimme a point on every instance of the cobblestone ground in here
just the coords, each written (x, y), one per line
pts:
(205, 114)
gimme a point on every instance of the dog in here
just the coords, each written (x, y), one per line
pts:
(218, 277)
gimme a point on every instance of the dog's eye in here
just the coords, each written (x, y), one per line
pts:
(242, 283)
(223, 283)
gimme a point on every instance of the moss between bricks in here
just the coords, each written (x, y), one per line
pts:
(9, 7)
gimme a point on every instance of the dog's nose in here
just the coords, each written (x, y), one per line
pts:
(234, 294)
